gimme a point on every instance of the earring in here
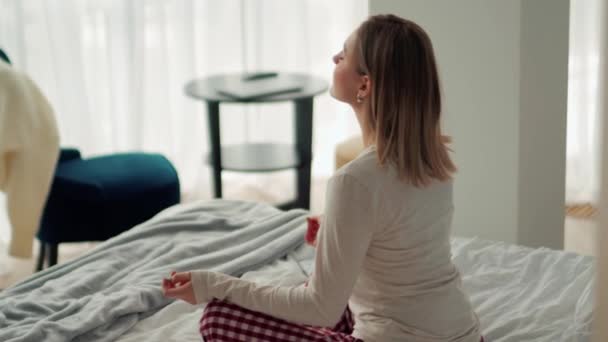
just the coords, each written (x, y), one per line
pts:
(359, 99)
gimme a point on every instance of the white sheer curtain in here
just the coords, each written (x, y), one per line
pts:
(114, 70)
(582, 172)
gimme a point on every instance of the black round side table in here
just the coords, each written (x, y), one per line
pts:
(263, 157)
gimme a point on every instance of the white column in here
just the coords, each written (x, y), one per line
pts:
(543, 93)
(601, 314)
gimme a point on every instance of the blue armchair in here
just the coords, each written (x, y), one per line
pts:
(97, 198)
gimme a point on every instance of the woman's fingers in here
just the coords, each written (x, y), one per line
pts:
(178, 286)
(177, 291)
(166, 286)
(181, 277)
(172, 292)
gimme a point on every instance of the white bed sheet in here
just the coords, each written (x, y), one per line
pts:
(520, 294)
(523, 294)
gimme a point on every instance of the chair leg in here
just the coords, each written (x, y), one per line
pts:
(53, 248)
(41, 256)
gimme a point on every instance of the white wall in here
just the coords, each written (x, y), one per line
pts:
(505, 94)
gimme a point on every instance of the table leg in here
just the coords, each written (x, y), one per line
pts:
(303, 134)
(213, 112)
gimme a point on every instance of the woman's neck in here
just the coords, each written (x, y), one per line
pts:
(366, 133)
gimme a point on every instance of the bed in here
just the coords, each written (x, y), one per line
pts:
(112, 293)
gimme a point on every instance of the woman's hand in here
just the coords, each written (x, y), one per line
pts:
(179, 286)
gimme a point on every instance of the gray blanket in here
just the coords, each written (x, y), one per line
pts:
(101, 295)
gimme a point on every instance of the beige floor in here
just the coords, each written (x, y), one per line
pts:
(579, 234)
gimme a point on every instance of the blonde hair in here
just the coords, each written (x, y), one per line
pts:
(405, 100)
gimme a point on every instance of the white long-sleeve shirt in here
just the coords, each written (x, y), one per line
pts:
(384, 249)
(29, 149)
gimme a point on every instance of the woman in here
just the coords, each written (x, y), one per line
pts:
(383, 250)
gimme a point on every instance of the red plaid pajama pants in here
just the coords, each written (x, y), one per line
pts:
(223, 321)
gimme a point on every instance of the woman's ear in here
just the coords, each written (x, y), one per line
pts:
(365, 88)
